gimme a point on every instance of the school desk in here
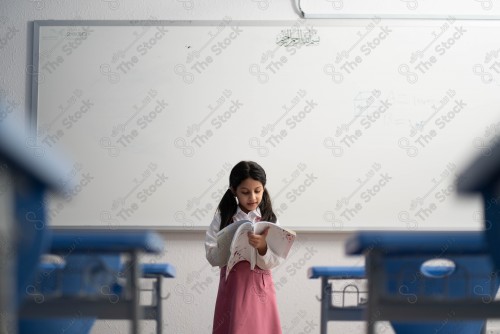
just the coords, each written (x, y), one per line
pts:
(401, 291)
(95, 282)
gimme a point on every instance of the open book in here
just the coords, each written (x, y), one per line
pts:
(233, 241)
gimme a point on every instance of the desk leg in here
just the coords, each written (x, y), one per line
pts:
(326, 300)
(136, 307)
(373, 275)
(8, 229)
(159, 304)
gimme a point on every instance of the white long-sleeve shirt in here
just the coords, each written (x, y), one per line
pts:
(266, 261)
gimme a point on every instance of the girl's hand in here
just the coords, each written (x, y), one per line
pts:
(259, 241)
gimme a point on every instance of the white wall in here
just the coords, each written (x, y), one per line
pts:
(189, 307)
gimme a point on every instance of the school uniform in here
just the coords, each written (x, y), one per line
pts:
(246, 301)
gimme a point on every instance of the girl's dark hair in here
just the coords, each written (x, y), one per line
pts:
(228, 205)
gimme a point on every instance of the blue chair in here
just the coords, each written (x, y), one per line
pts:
(356, 311)
(52, 277)
(416, 300)
(329, 311)
(93, 282)
(156, 272)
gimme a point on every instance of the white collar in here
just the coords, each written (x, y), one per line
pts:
(253, 216)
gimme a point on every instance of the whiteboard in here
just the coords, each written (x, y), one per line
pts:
(359, 124)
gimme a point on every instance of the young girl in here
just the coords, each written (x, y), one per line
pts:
(246, 301)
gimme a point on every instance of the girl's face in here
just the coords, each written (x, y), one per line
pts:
(249, 194)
